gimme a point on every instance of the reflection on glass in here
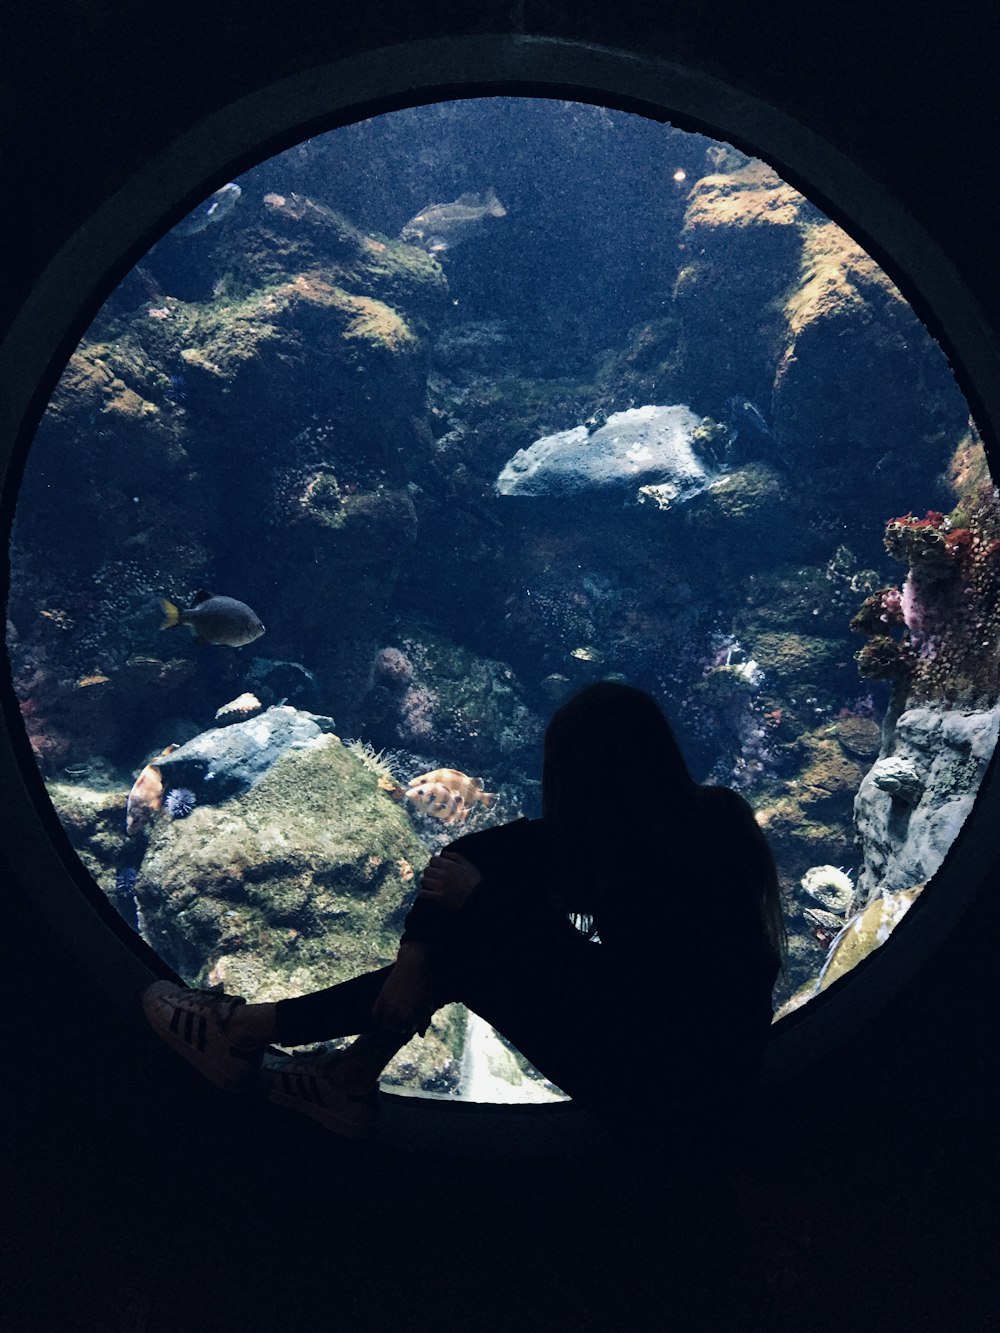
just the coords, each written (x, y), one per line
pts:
(415, 428)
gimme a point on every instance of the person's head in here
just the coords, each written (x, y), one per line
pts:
(611, 746)
(612, 772)
(619, 801)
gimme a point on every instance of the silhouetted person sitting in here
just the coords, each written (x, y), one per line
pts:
(626, 943)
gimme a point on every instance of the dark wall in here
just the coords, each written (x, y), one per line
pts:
(139, 1199)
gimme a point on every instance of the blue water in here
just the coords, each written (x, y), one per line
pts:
(285, 406)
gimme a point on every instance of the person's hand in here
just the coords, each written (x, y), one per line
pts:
(406, 1001)
(448, 880)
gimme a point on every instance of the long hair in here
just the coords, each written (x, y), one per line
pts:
(613, 774)
(611, 763)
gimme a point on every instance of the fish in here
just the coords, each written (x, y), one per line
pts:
(239, 709)
(210, 210)
(741, 412)
(146, 796)
(440, 227)
(448, 794)
(220, 620)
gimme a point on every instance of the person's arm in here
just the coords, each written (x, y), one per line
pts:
(501, 856)
(490, 897)
(448, 881)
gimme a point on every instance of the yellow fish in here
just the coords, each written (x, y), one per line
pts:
(146, 796)
(448, 794)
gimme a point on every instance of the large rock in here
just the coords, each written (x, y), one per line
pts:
(742, 240)
(227, 761)
(865, 932)
(847, 325)
(641, 446)
(298, 880)
(913, 801)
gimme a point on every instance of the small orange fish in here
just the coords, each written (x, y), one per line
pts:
(448, 794)
(92, 680)
(146, 796)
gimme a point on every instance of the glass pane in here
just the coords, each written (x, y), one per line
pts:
(417, 427)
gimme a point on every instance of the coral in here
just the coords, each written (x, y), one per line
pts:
(949, 605)
(927, 545)
(881, 611)
(884, 658)
(392, 667)
(416, 713)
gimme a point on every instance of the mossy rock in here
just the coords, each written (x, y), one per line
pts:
(294, 234)
(475, 707)
(751, 198)
(798, 661)
(751, 496)
(860, 737)
(305, 877)
(829, 776)
(866, 932)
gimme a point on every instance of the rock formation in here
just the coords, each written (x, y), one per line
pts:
(305, 414)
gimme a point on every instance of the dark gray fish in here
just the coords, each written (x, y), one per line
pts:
(745, 418)
(440, 227)
(745, 414)
(219, 620)
(213, 209)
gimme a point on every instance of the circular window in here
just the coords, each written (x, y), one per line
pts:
(408, 432)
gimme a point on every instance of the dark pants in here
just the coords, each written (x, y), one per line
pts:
(546, 988)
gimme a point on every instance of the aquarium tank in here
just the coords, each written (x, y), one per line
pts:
(404, 435)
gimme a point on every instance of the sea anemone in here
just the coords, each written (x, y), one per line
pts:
(375, 761)
(180, 801)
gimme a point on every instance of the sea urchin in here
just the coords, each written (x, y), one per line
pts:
(180, 801)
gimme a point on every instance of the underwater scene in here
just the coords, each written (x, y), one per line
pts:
(410, 431)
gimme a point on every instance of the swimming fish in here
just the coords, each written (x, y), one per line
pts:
(212, 209)
(440, 227)
(219, 620)
(448, 794)
(146, 796)
(742, 413)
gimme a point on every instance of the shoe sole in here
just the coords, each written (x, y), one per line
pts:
(309, 1094)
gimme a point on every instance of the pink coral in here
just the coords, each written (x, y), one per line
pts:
(416, 714)
(392, 667)
(910, 608)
